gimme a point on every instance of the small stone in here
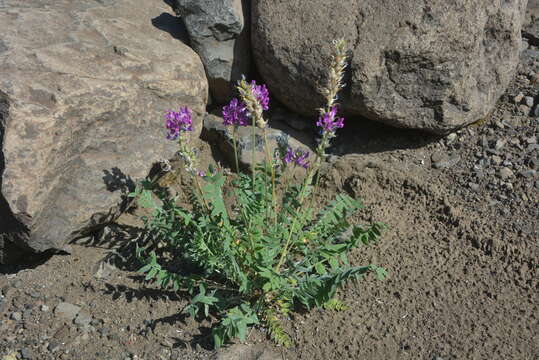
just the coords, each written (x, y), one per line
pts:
(474, 187)
(451, 138)
(82, 319)
(524, 109)
(26, 354)
(12, 356)
(537, 184)
(528, 100)
(496, 160)
(66, 311)
(53, 346)
(517, 99)
(17, 316)
(536, 111)
(532, 147)
(44, 308)
(528, 173)
(499, 144)
(531, 140)
(505, 173)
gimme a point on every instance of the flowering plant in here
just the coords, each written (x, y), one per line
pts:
(255, 261)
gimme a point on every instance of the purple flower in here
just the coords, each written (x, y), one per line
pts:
(176, 122)
(298, 157)
(235, 114)
(261, 94)
(328, 121)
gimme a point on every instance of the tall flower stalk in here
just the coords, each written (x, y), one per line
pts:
(328, 123)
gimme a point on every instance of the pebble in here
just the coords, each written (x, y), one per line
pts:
(528, 173)
(532, 147)
(442, 161)
(497, 160)
(499, 144)
(536, 111)
(26, 354)
(53, 346)
(528, 100)
(505, 173)
(66, 310)
(83, 319)
(17, 316)
(523, 109)
(44, 308)
(537, 184)
(474, 186)
(531, 140)
(517, 99)
(451, 138)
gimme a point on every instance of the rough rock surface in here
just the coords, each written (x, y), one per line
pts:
(435, 66)
(219, 33)
(83, 85)
(217, 133)
(531, 23)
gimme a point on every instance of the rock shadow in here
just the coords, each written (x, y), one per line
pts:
(172, 25)
(116, 180)
(363, 136)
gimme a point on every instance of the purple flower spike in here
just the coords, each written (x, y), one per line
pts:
(301, 159)
(235, 114)
(298, 157)
(289, 156)
(176, 122)
(261, 93)
(328, 121)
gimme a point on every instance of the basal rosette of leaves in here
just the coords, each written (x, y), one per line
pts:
(269, 254)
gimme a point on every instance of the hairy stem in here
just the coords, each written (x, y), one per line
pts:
(235, 149)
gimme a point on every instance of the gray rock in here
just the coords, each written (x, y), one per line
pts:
(66, 311)
(54, 346)
(505, 173)
(26, 354)
(44, 308)
(496, 160)
(528, 100)
(528, 173)
(215, 132)
(407, 70)
(80, 122)
(518, 99)
(524, 109)
(17, 316)
(536, 111)
(82, 319)
(442, 161)
(537, 184)
(219, 33)
(103, 270)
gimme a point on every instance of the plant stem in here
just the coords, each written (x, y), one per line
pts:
(235, 148)
(294, 223)
(269, 161)
(253, 165)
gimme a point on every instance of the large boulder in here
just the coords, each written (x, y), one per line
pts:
(83, 88)
(219, 33)
(531, 23)
(435, 65)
